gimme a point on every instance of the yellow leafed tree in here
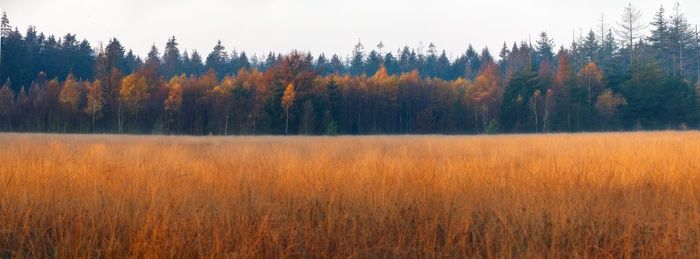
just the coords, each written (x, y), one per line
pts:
(608, 103)
(133, 94)
(70, 94)
(174, 101)
(287, 102)
(592, 78)
(95, 100)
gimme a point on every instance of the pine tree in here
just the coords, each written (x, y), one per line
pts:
(337, 65)
(430, 67)
(243, 62)
(545, 48)
(503, 55)
(172, 61)
(591, 47)
(5, 28)
(473, 63)
(659, 39)
(131, 62)
(357, 61)
(196, 66)
(608, 52)
(374, 61)
(115, 56)
(391, 64)
(217, 59)
(323, 65)
(153, 58)
(486, 57)
(443, 67)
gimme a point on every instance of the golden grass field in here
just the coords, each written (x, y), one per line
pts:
(632, 195)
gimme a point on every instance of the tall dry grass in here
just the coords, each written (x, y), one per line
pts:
(590, 195)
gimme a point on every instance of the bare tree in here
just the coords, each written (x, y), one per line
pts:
(697, 51)
(630, 29)
(603, 27)
(681, 36)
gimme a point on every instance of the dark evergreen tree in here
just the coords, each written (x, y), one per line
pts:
(608, 53)
(590, 48)
(172, 61)
(659, 40)
(443, 67)
(514, 112)
(429, 68)
(337, 65)
(460, 67)
(323, 66)
(153, 60)
(503, 56)
(545, 49)
(357, 61)
(374, 61)
(406, 60)
(473, 63)
(391, 64)
(217, 60)
(243, 62)
(486, 57)
(196, 65)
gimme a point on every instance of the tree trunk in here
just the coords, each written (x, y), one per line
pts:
(476, 118)
(286, 123)
(170, 121)
(226, 124)
(536, 122)
(119, 118)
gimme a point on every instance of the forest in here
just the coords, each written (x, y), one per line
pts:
(628, 74)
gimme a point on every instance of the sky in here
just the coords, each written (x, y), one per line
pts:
(328, 26)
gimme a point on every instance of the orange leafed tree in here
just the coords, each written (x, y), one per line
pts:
(6, 103)
(563, 80)
(485, 94)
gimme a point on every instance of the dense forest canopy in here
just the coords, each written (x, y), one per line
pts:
(629, 75)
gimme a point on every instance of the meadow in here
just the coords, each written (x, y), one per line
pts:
(620, 195)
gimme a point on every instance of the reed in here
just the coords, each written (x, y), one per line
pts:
(525, 196)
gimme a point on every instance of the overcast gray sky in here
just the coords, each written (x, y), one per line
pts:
(330, 26)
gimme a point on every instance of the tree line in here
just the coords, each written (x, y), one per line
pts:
(615, 77)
